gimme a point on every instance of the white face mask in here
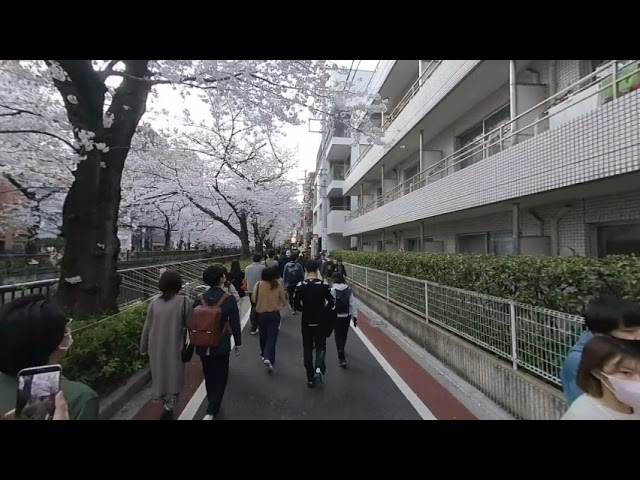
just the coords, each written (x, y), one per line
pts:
(627, 391)
(67, 341)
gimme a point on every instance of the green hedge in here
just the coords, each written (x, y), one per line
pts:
(559, 283)
(105, 352)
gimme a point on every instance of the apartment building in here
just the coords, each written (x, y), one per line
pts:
(538, 157)
(336, 150)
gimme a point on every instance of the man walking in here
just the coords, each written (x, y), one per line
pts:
(313, 298)
(253, 274)
(270, 260)
(293, 275)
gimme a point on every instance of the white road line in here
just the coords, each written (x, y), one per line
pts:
(420, 407)
(200, 396)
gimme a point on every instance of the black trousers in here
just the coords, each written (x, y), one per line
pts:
(341, 332)
(216, 374)
(291, 290)
(253, 316)
(314, 337)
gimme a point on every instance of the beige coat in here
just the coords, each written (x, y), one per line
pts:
(162, 339)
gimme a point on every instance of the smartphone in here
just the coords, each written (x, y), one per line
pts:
(37, 390)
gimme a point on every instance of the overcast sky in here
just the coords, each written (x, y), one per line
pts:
(306, 142)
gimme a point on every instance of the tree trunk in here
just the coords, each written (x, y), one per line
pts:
(269, 243)
(245, 247)
(89, 282)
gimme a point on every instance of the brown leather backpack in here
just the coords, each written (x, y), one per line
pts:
(206, 326)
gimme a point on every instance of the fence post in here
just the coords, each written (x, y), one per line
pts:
(387, 286)
(514, 343)
(366, 278)
(426, 301)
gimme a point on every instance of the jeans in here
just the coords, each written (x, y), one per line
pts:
(216, 374)
(341, 331)
(314, 337)
(269, 323)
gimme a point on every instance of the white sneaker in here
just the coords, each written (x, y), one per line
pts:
(208, 417)
(267, 363)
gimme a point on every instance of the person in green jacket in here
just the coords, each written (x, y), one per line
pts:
(35, 332)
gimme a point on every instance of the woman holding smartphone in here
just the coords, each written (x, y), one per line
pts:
(35, 332)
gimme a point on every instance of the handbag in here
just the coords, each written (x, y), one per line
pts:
(187, 348)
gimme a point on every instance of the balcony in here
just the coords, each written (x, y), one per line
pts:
(335, 220)
(439, 78)
(568, 142)
(335, 180)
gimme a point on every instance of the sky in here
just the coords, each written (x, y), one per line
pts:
(299, 137)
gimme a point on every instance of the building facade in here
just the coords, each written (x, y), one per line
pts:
(539, 157)
(336, 151)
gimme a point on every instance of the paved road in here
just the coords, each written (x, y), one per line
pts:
(363, 391)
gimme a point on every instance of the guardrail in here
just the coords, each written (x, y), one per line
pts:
(137, 284)
(530, 338)
(611, 86)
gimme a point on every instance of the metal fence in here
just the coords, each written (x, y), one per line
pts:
(530, 338)
(137, 284)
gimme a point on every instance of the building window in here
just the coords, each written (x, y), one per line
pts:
(497, 243)
(474, 243)
(412, 244)
(474, 139)
(618, 239)
(410, 173)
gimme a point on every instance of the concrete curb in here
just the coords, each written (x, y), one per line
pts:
(119, 398)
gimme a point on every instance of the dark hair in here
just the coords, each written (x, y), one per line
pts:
(235, 267)
(337, 277)
(605, 314)
(311, 266)
(31, 329)
(597, 353)
(169, 284)
(212, 275)
(294, 256)
(257, 257)
(271, 253)
(271, 275)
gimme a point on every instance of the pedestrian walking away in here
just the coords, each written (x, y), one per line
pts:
(163, 338)
(269, 299)
(345, 311)
(293, 275)
(214, 320)
(313, 298)
(253, 274)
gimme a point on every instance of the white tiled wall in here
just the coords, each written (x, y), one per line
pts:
(574, 226)
(598, 145)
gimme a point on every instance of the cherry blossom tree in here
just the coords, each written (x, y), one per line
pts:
(105, 102)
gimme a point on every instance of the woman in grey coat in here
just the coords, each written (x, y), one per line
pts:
(163, 337)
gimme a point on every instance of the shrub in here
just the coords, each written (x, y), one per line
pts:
(559, 283)
(105, 352)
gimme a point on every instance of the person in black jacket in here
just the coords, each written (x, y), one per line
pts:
(236, 277)
(215, 360)
(313, 298)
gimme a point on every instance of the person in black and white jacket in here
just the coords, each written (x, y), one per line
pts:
(345, 311)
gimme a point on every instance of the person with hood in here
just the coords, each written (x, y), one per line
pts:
(293, 275)
(345, 311)
(603, 316)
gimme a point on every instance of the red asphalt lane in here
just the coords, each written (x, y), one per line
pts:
(442, 404)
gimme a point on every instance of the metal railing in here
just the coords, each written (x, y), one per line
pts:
(528, 337)
(400, 106)
(136, 284)
(610, 87)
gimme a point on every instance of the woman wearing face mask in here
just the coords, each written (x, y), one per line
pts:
(35, 332)
(609, 374)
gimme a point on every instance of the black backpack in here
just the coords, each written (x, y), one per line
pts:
(294, 274)
(342, 301)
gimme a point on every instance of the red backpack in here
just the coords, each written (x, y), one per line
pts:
(206, 327)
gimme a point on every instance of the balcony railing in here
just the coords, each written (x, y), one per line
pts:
(620, 81)
(336, 172)
(404, 101)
